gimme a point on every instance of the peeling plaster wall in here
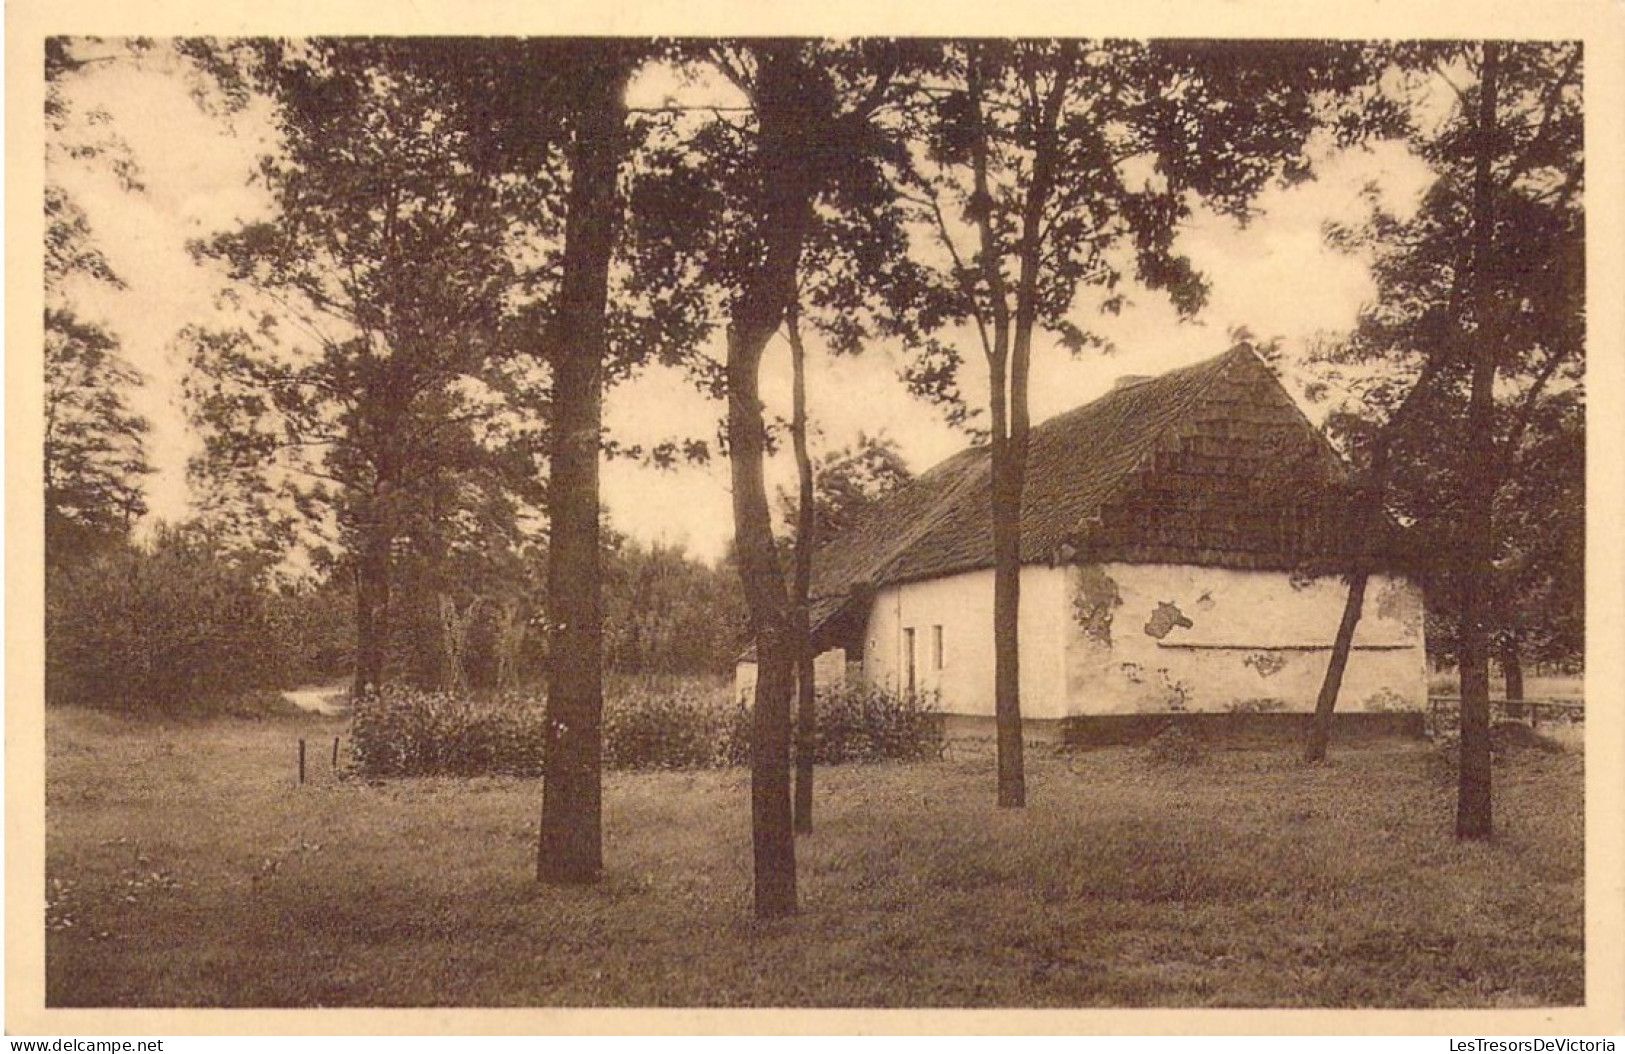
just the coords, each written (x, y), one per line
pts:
(963, 606)
(1128, 638)
(1211, 640)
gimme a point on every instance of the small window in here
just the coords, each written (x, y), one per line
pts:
(936, 648)
(908, 658)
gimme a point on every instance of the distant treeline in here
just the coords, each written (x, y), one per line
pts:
(181, 622)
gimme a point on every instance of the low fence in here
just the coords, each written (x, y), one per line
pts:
(1444, 712)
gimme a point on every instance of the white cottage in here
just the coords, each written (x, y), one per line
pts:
(1180, 542)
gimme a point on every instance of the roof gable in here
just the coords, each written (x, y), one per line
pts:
(1212, 464)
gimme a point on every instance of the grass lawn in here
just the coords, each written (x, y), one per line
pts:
(186, 868)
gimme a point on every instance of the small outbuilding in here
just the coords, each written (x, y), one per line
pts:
(1182, 543)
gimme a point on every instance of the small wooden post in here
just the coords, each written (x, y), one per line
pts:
(301, 761)
(335, 752)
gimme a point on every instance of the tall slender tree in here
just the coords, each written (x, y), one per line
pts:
(1050, 166)
(570, 849)
(806, 540)
(1481, 295)
(375, 361)
(730, 207)
(794, 106)
(1370, 504)
(553, 118)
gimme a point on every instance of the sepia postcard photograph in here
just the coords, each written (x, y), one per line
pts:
(705, 521)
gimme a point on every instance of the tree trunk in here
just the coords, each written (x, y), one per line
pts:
(806, 739)
(1007, 451)
(1006, 516)
(372, 594)
(1369, 503)
(806, 527)
(1320, 732)
(782, 210)
(1009, 482)
(1512, 670)
(772, 831)
(1473, 807)
(1006, 629)
(1011, 418)
(570, 846)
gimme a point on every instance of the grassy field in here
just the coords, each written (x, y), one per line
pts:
(185, 867)
(1535, 685)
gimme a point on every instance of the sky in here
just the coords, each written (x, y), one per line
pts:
(1275, 277)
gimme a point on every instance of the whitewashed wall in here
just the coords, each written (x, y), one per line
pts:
(1254, 641)
(962, 605)
(1093, 642)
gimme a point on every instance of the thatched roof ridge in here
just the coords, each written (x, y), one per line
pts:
(1212, 465)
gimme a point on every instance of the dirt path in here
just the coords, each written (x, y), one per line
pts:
(325, 699)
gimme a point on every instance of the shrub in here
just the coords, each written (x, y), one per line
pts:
(652, 723)
(1388, 701)
(1510, 737)
(402, 731)
(670, 724)
(176, 624)
(1506, 738)
(686, 723)
(863, 723)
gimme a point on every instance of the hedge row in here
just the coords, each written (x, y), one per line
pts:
(402, 731)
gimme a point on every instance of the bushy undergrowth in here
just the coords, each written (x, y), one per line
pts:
(403, 731)
(171, 626)
(862, 723)
(674, 723)
(648, 724)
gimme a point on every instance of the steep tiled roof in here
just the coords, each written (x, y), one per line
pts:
(1212, 465)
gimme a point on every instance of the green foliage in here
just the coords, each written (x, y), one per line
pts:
(863, 723)
(318, 630)
(666, 613)
(402, 731)
(849, 482)
(667, 723)
(368, 380)
(95, 452)
(472, 633)
(1018, 175)
(173, 625)
(650, 723)
(1509, 436)
(95, 445)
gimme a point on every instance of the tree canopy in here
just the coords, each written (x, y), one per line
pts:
(1481, 303)
(95, 444)
(473, 238)
(374, 378)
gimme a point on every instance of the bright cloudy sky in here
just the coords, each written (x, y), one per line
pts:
(1275, 277)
